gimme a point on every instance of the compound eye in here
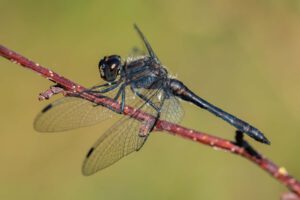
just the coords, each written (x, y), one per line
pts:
(114, 62)
(102, 66)
(109, 67)
(101, 71)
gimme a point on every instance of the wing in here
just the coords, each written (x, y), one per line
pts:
(117, 142)
(172, 110)
(70, 113)
(147, 44)
(136, 52)
(126, 136)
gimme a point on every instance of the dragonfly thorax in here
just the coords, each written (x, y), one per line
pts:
(109, 67)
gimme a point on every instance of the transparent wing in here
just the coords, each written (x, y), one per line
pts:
(120, 140)
(126, 136)
(136, 52)
(70, 113)
(147, 44)
(172, 110)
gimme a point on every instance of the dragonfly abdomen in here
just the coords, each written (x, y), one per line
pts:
(181, 91)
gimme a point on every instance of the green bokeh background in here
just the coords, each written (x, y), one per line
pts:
(240, 55)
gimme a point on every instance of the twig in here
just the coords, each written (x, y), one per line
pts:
(71, 88)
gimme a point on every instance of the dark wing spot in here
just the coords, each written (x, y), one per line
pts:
(90, 152)
(47, 108)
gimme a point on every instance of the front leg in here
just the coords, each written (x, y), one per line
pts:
(105, 90)
(121, 92)
(112, 84)
(104, 85)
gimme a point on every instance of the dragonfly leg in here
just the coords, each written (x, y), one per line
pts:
(239, 140)
(121, 93)
(104, 85)
(148, 125)
(113, 86)
(106, 89)
(146, 99)
(123, 99)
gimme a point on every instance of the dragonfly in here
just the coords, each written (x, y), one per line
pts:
(141, 82)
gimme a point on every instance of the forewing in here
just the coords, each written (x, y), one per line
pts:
(73, 112)
(147, 44)
(70, 113)
(136, 52)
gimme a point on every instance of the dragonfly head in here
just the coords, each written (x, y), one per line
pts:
(109, 67)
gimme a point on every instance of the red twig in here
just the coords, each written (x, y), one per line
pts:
(71, 87)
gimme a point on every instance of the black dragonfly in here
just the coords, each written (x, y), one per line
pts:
(142, 82)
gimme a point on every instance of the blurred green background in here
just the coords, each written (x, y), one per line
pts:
(240, 55)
